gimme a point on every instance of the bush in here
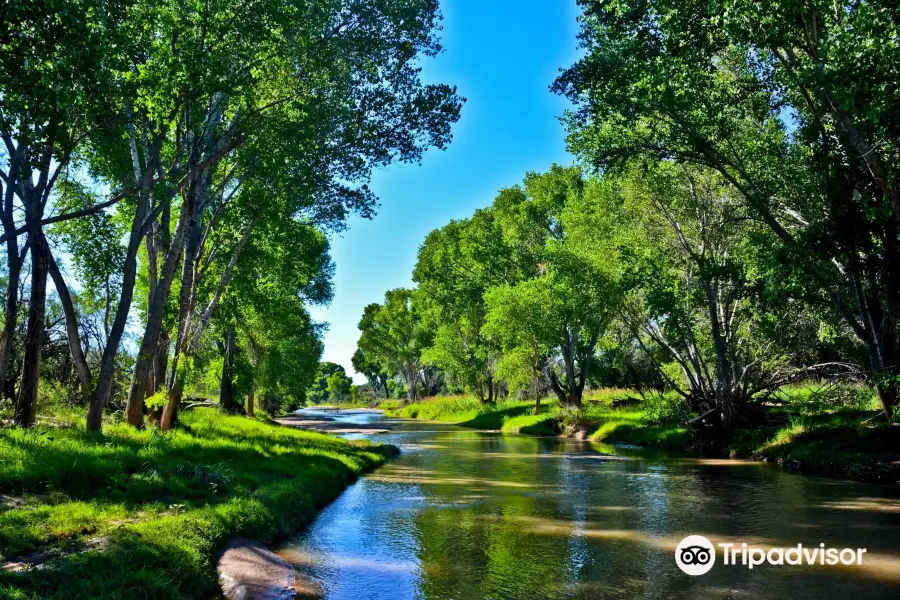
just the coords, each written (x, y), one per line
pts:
(667, 409)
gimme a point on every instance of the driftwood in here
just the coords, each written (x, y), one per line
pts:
(880, 413)
(201, 403)
(703, 416)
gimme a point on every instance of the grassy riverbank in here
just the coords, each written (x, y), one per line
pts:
(143, 514)
(806, 433)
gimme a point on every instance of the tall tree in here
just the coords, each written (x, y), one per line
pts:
(56, 70)
(456, 265)
(373, 370)
(573, 295)
(396, 333)
(766, 94)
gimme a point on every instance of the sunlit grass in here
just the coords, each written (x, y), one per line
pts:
(160, 505)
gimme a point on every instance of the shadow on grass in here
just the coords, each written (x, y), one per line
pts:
(495, 418)
(667, 438)
(548, 426)
(131, 567)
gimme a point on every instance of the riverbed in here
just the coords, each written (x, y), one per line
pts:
(465, 514)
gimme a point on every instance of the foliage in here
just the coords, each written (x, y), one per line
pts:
(667, 409)
(338, 385)
(395, 334)
(457, 264)
(766, 95)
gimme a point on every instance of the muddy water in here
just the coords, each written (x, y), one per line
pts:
(463, 514)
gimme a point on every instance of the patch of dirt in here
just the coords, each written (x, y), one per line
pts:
(37, 560)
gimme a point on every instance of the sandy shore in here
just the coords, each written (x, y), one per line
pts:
(324, 424)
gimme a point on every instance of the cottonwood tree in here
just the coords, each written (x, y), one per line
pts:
(284, 267)
(694, 292)
(57, 69)
(766, 94)
(456, 265)
(170, 93)
(373, 370)
(571, 296)
(354, 103)
(395, 333)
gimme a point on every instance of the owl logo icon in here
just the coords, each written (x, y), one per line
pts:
(695, 555)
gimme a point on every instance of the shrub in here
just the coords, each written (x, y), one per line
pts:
(667, 409)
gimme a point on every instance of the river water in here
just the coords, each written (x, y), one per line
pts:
(465, 514)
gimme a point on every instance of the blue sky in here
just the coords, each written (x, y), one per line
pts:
(502, 55)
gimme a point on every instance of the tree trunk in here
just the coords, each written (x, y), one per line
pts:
(226, 387)
(143, 364)
(26, 403)
(724, 399)
(570, 339)
(65, 298)
(479, 390)
(12, 308)
(154, 344)
(888, 399)
(14, 260)
(191, 245)
(250, 407)
(412, 380)
(220, 288)
(558, 389)
(107, 363)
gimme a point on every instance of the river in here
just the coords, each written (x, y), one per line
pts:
(465, 514)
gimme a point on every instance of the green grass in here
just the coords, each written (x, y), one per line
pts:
(545, 423)
(837, 443)
(811, 430)
(631, 425)
(161, 505)
(466, 411)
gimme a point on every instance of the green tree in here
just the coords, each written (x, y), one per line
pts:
(395, 333)
(338, 386)
(766, 94)
(373, 370)
(165, 106)
(571, 296)
(456, 265)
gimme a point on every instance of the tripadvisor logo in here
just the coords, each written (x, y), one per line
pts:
(695, 555)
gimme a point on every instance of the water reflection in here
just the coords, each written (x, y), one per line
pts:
(463, 514)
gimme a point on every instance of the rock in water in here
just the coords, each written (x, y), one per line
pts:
(250, 571)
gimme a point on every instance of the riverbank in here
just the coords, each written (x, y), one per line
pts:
(834, 442)
(143, 514)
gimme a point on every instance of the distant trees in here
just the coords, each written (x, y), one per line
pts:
(319, 392)
(373, 370)
(565, 302)
(395, 333)
(456, 265)
(662, 264)
(338, 386)
(505, 296)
